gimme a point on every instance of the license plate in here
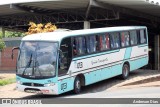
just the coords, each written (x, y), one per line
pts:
(32, 91)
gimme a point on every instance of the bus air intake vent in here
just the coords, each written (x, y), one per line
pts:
(33, 84)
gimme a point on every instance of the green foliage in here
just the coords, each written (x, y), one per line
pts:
(2, 44)
(9, 34)
(7, 81)
(1, 35)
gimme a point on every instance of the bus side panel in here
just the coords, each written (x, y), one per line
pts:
(127, 54)
(139, 57)
(138, 63)
(65, 85)
(99, 66)
(102, 74)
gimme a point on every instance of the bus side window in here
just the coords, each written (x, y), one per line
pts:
(107, 41)
(104, 42)
(91, 44)
(97, 43)
(100, 43)
(142, 36)
(124, 39)
(79, 46)
(133, 37)
(74, 47)
(115, 40)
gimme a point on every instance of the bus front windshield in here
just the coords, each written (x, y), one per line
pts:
(37, 59)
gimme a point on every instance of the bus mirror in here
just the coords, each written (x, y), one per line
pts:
(14, 48)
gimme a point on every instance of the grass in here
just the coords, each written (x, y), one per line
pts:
(7, 81)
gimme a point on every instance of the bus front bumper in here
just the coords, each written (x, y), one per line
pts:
(53, 90)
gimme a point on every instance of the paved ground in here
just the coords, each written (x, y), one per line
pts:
(140, 78)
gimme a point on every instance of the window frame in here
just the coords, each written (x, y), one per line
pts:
(119, 41)
(128, 31)
(86, 44)
(105, 34)
(137, 38)
(145, 35)
(73, 38)
(97, 35)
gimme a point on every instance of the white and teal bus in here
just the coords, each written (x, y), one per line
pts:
(60, 61)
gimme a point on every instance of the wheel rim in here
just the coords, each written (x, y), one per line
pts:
(125, 71)
(78, 85)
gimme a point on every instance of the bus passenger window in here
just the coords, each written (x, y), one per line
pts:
(107, 41)
(115, 40)
(97, 43)
(91, 44)
(142, 36)
(104, 42)
(74, 48)
(79, 46)
(124, 39)
(133, 37)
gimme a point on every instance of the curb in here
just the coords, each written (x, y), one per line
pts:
(143, 81)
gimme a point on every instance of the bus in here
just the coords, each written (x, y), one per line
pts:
(61, 61)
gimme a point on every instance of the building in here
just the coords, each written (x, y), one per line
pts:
(6, 62)
(79, 14)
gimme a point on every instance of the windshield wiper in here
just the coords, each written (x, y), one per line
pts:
(28, 64)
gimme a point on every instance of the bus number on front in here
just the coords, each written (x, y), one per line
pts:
(79, 65)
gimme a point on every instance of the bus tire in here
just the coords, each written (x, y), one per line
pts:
(77, 85)
(125, 71)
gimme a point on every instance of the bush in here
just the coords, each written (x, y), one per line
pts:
(2, 45)
(7, 81)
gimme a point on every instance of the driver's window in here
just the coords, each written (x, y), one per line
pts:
(65, 56)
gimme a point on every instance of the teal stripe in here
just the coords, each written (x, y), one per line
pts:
(127, 54)
(143, 45)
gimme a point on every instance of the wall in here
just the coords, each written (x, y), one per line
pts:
(6, 62)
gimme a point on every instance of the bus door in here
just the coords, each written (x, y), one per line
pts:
(65, 56)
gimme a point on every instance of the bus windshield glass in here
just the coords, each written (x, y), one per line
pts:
(37, 59)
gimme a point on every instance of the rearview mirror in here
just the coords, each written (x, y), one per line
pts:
(14, 48)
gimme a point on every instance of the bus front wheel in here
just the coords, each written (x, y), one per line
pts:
(125, 71)
(77, 85)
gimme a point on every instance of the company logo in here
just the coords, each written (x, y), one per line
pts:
(21, 101)
(6, 101)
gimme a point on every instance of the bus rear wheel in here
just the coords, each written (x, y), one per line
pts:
(77, 85)
(125, 71)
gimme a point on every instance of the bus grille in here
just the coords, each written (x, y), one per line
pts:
(34, 84)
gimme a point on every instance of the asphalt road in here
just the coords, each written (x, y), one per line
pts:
(143, 92)
(140, 92)
(100, 90)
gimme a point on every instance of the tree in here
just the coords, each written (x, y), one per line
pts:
(2, 45)
(40, 28)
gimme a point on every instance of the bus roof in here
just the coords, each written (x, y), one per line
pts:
(59, 35)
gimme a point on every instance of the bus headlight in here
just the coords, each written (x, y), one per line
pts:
(50, 84)
(19, 82)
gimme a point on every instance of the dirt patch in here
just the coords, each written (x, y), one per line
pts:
(7, 75)
(2, 77)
